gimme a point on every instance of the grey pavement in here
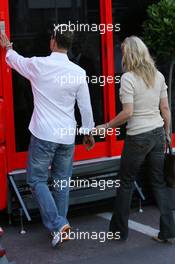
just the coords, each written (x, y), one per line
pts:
(34, 247)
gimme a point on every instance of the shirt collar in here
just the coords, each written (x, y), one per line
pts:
(59, 55)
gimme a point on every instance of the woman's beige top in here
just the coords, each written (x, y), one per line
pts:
(146, 102)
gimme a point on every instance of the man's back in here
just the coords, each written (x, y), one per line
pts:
(56, 84)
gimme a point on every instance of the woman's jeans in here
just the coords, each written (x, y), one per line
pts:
(149, 146)
(43, 154)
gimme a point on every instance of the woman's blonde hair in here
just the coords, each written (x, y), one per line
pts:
(136, 58)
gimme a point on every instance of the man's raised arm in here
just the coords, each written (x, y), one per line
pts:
(17, 62)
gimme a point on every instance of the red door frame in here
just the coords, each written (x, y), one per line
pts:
(7, 95)
(104, 149)
(114, 147)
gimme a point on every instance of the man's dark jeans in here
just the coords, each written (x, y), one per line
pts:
(150, 146)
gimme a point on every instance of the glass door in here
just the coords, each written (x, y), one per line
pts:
(30, 24)
(130, 15)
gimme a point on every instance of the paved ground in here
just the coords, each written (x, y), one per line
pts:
(34, 247)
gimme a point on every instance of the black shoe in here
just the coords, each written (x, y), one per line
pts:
(122, 239)
(168, 240)
(118, 237)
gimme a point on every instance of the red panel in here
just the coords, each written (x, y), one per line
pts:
(3, 179)
(0, 77)
(173, 140)
(108, 67)
(2, 121)
(1, 89)
(7, 94)
(104, 66)
(99, 151)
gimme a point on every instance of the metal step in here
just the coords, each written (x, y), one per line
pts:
(99, 169)
(96, 169)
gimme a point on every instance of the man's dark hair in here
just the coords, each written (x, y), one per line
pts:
(64, 38)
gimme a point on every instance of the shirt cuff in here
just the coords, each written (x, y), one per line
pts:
(86, 130)
(8, 53)
(164, 94)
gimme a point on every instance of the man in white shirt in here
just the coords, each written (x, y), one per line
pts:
(57, 84)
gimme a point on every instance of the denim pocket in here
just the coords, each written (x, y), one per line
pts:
(41, 149)
(67, 150)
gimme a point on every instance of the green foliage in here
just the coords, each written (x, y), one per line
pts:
(159, 29)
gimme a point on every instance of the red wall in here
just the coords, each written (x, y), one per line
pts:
(3, 168)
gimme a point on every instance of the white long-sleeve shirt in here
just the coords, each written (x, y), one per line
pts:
(56, 85)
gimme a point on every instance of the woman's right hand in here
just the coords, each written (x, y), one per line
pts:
(168, 139)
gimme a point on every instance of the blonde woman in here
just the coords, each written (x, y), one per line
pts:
(143, 95)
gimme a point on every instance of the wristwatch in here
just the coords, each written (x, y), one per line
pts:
(107, 125)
